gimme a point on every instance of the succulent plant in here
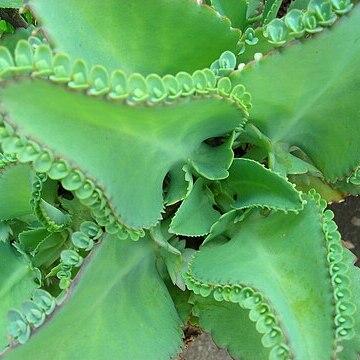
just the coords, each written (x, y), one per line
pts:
(170, 162)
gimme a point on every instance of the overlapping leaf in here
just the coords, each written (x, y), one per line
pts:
(153, 140)
(288, 270)
(161, 36)
(248, 185)
(302, 98)
(17, 281)
(118, 308)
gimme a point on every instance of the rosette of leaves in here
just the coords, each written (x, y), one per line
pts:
(133, 130)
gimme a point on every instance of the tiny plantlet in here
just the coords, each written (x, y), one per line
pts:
(170, 162)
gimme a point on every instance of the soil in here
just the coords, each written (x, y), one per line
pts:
(347, 216)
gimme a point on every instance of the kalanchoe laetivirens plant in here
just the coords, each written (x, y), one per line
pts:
(168, 162)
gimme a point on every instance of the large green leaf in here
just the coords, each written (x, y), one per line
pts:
(138, 36)
(151, 139)
(15, 191)
(118, 308)
(307, 96)
(16, 284)
(127, 151)
(290, 271)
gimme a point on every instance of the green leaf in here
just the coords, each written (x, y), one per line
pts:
(11, 3)
(5, 231)
(352, 347)
(235, 10)
(16, 284)
(196, 214)
(303, 313)
(139, 36)
(48, 250)
(154, 141)
(250, 184)
(123, 320)
(181, 302)
(270, 10)
(306, 96)
(227, 324)
(15, 191)
(31, 239)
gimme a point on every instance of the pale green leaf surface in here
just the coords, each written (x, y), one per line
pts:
(16, 284)
(307, 96)
(152, 140)
(15, 191)
(264, 254)
(11, 3)
(117, 308)
(138, 36)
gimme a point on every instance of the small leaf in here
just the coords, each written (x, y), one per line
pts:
(196, 213)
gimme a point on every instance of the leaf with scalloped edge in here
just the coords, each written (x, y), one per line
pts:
(250, 184)
(351, 349)
(307, 95)
(139, 36)
(130, 315)
(227, 323)
(305, 314)
(15, 190)
(196, 213)
(17, 282)
(69, 136)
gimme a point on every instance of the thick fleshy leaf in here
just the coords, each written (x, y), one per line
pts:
(15, 191)
(196, 214)
(16, 284)
(83, 131)
(250, 184)
(227, 324)
(138, 36)
(307, 96)
(118, 308)
(304, 314)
